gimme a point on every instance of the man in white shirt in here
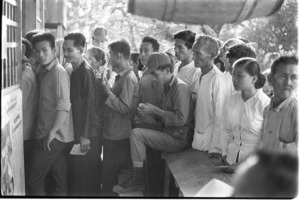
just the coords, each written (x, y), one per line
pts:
(185, 69)
(211, 96)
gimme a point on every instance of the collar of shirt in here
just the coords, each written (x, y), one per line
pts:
(189, 65)
(125, 71)
(283, 104)
(170, 84)
(226, 73)
(209, 73)
(81, 65)
(50, 66)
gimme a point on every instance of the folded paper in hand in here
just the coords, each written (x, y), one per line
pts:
(76, 150)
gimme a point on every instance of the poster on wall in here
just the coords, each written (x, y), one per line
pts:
(12, 159)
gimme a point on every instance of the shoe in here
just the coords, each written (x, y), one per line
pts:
(215, 156)
(134, 183)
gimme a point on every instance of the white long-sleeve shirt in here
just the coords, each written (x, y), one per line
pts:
(211, 96)
(189, 74)
(228, 78)
(242, 125)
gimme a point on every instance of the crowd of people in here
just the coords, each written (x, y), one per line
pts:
(114, 104)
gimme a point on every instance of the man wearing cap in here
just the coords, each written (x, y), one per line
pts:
(172, 118)
(99, 37)
(149, 91)
(185, 70)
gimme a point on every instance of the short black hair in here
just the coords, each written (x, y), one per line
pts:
(153, 41)
(31, 33)
(187, 36)
(28, 46)
(241, 50)
(283, 60)
(135, 57)
(43, 36)
(78, 38)
(121, 46)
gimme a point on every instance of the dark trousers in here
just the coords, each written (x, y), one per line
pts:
(85, 171)
(116, 156)
(154, 167)
(42, 162)
(28, 144)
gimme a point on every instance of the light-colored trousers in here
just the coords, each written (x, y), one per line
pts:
(140, 138)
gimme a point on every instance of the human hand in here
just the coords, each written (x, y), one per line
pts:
(106, 86)
(84, 144)
(48, 140)
(146, 108)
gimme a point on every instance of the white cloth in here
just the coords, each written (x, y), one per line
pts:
(189, 74)
(228, 78)
(211, 96)
(242, 125)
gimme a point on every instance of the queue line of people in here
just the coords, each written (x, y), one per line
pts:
(168, 106)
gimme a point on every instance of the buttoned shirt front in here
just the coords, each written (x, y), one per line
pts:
(189, 74)
(54, 95)
(242, 125)
(120, 106)
(228, 79)
(175, 103)
(83, 101)
(211, 97)
(149, 91)
(280, 126)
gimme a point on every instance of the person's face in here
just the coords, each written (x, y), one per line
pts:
(88, 56)
(44, 53)
(284, 81)
(114, 60)
(200, 56)
(173, 59)
(241, 79)
(133, 64)
(98, 42)
(223, 51)
(71, 53)
(146, 50)
(161, 77)
(181, 51)
(222, 57)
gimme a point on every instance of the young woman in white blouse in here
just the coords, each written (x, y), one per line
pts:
(243, 112)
